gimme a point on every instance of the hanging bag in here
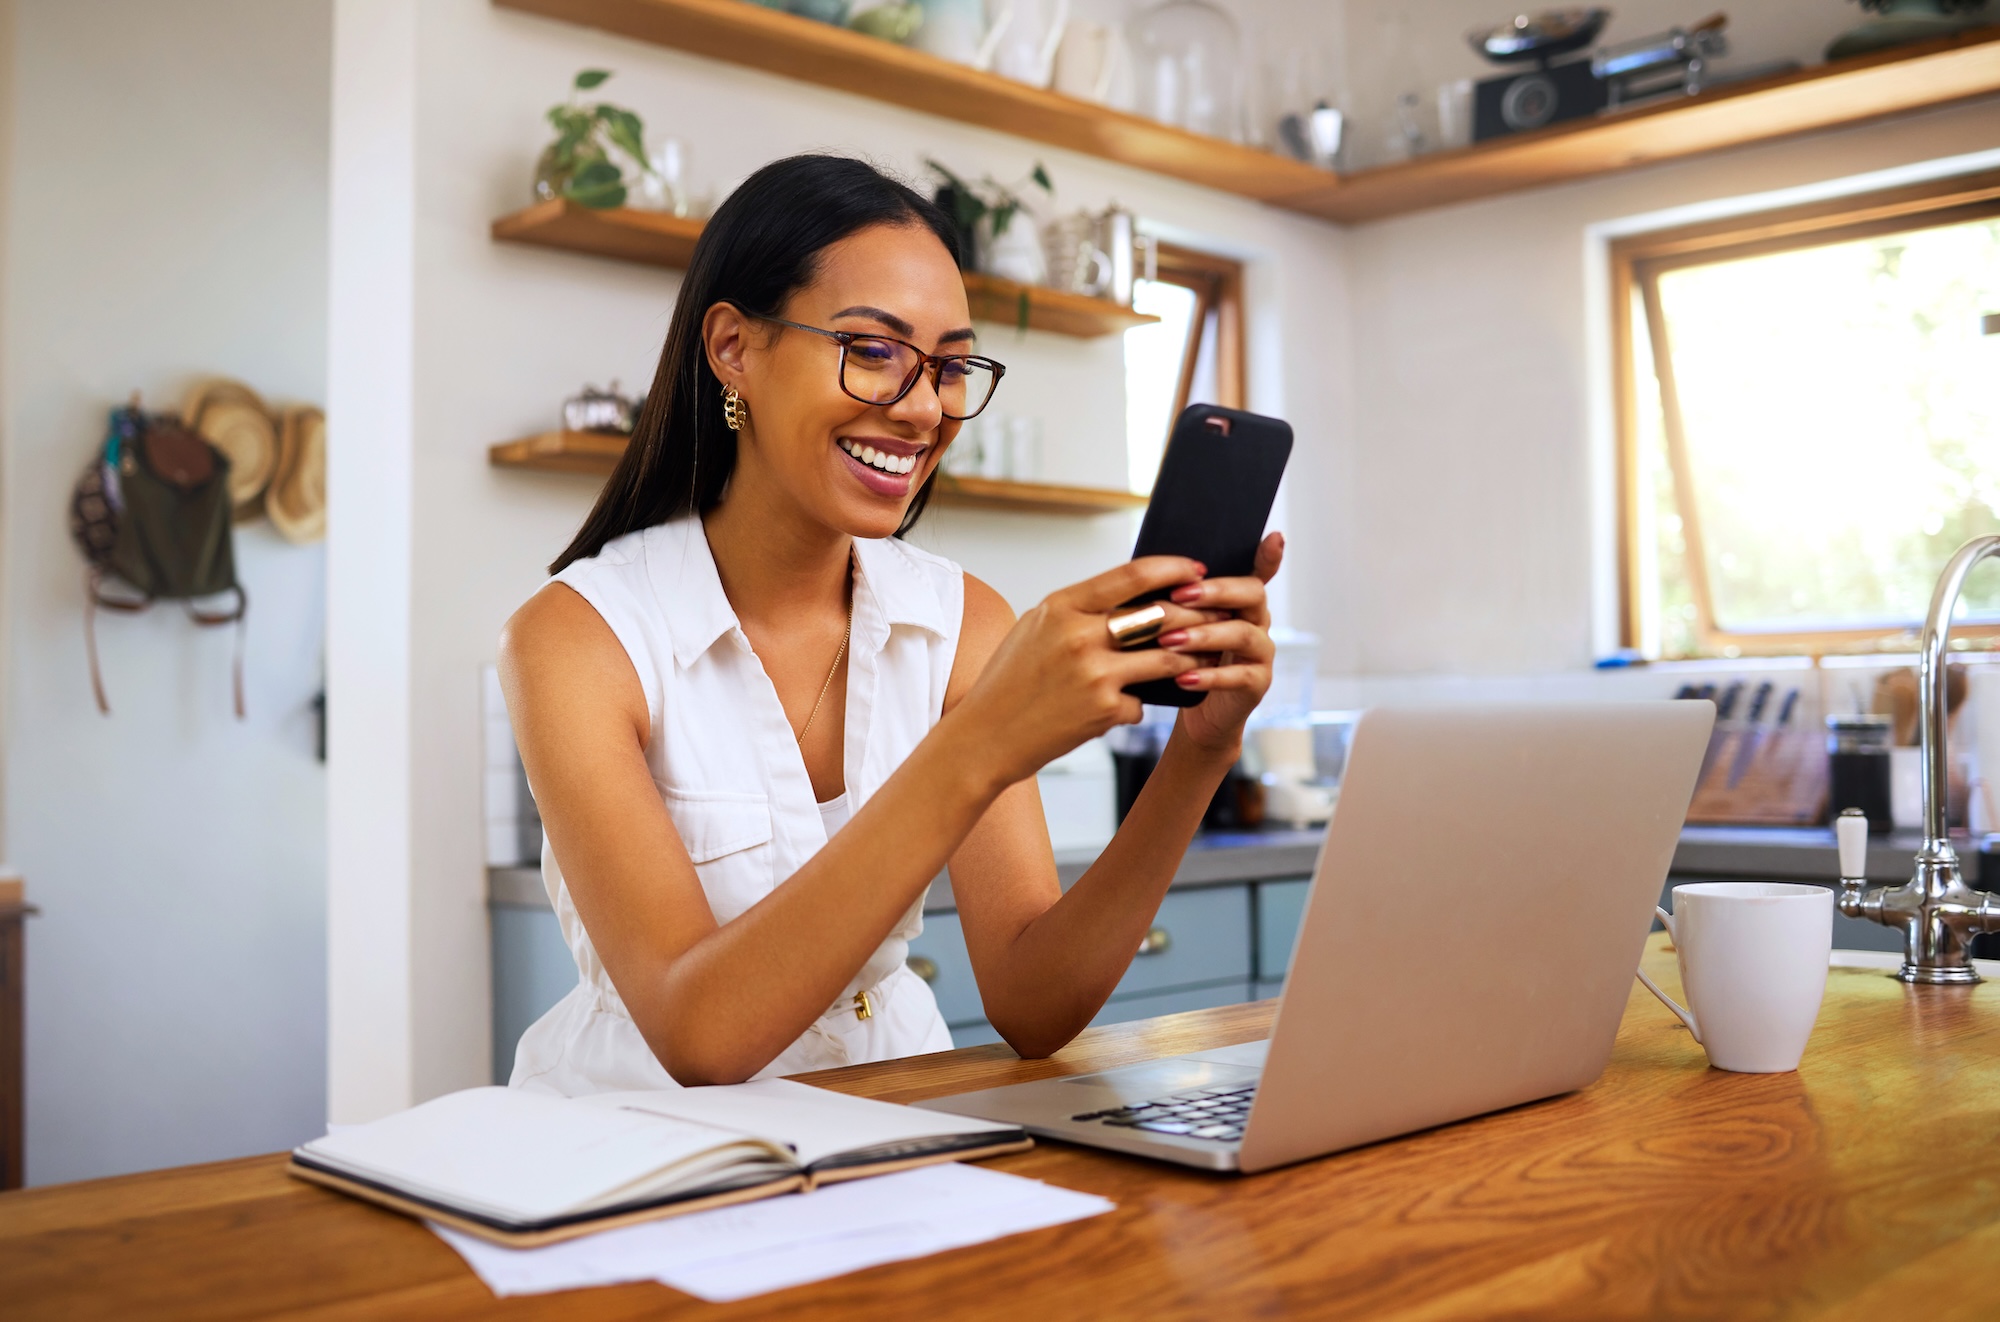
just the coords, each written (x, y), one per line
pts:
(152, 516)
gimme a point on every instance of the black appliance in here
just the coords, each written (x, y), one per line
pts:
(1551, 91)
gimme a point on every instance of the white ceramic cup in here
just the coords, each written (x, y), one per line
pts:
(1753, 957)
(1086, 61)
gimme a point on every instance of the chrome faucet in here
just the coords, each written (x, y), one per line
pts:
(1938, 912)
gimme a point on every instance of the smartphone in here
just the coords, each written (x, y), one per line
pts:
(1210, 503)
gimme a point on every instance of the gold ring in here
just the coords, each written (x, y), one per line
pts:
(1137, 628)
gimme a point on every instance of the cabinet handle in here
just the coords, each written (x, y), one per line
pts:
(923, 966)
(1158, 941)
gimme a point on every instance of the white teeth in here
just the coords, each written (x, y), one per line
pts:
(876, 459)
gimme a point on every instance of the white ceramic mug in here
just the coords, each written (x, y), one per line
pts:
(1029, 33)
(1753, 957)
(1087, 59)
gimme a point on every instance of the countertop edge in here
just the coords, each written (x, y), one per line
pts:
(1219, 861)
(1231, 858)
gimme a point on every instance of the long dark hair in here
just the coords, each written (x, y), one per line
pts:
(762, 245)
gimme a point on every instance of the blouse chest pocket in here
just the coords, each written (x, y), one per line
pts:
(728, 836)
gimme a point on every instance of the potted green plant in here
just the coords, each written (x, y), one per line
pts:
(578, 165)
(984, 215)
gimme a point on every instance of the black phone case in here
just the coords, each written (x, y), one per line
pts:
(1213, 496)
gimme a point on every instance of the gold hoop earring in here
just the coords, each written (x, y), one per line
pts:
(734, 411)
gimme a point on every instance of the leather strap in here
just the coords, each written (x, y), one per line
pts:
(90, 642)
(239, 616)
(93, 597)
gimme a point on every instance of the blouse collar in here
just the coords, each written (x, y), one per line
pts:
(888, 590)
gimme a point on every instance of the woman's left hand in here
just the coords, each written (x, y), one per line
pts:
(1237, 651)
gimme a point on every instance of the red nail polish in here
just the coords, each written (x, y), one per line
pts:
(1200, 569)
(1188, 594)
(1173, 638)
(1189, 680)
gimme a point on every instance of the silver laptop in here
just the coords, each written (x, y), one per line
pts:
(1480, 903)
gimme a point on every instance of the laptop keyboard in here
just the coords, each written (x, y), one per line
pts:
(1217, 1114)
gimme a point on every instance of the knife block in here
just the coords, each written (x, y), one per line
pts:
(1757, 776)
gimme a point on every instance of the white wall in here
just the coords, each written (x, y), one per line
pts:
(6, 211)
(502, 333)
(370, 374)
(1481, 533)
(1479, 434)
(165, 217)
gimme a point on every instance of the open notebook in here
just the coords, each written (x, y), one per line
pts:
(522, 1168)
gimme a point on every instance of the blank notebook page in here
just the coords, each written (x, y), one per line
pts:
(817, 1123)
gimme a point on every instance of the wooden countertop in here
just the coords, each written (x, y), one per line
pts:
(1866, 1185)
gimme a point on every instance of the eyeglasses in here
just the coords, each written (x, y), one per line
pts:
(877, 369)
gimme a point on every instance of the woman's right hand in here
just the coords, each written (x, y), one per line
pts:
(1057, 678)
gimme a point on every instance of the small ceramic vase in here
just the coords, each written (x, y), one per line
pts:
(896, 22)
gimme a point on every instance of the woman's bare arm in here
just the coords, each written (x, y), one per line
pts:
(1046, 961)
(716, 1003)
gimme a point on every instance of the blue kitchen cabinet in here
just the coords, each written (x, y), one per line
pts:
(532, 970)
(1280, 907)
(1197, 956)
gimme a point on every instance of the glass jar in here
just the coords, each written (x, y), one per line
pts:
(1189, 62)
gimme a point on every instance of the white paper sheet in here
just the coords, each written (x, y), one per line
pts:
(735, 1252)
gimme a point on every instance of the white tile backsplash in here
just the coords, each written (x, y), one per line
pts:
(1080, 798)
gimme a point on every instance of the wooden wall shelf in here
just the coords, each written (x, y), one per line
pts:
(653, 239)
(1080, 315)
(1901, 81)
(742, 33)
(986, 493)
(595, 454)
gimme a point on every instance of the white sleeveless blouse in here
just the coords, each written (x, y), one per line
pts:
(728, 769)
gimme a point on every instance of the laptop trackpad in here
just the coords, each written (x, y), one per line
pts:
(1131, 1084)
(1247, 1053)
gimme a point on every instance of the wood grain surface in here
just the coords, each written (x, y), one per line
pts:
(1900, 81)
(596, 454)
(652, 238)
(832, 56)
(1866, 1185)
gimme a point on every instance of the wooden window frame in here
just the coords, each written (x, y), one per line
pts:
(1637, 263)
(1217, 283)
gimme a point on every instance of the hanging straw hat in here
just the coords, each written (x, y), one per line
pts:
(296, 500)
(230, 416)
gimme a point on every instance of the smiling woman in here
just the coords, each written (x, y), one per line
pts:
(757, 723)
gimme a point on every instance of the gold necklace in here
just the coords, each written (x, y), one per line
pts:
(834, 670)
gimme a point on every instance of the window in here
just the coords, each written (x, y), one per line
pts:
(1809, 412)
(1192, 355)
